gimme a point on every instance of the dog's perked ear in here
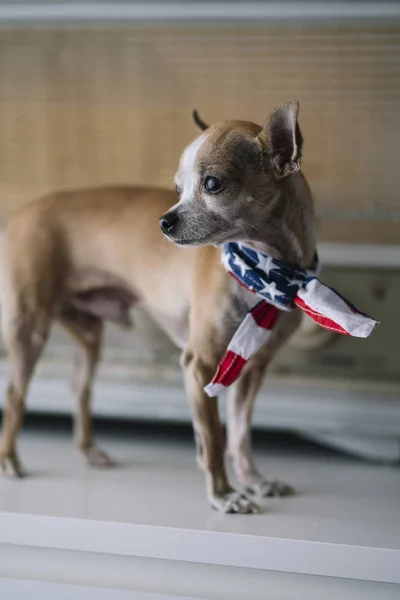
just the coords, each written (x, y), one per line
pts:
(283, 139)
(199, 121)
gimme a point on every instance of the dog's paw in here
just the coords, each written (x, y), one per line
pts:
(10, 465)
(234, 503)
(97, 458)
(264, 488)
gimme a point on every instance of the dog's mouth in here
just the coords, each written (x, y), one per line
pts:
(190, 242)
(210, 240)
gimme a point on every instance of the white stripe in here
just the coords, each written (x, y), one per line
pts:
(323, 300)
(187, 176)
(214, 389)
(248, 338)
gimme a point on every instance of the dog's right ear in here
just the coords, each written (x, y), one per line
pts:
(283, 139)
(198, 121)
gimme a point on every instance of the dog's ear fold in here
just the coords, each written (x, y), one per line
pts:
(283, 139)
(198, 121)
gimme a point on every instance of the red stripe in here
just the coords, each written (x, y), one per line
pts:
(319, 318)
(229, 368)
(264, 314)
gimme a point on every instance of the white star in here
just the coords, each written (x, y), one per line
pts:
(271, 290)
(225, 261)
(241, 264)
(298, 282)
(267, 264)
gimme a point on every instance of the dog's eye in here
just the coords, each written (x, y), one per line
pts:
(178, 190)
(213, 185)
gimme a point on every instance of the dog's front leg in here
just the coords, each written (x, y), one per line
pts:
(240, 407)
(210, 439)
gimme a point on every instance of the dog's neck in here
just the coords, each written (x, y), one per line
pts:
(286, 232)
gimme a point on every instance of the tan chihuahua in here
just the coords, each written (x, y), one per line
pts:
(87, 256)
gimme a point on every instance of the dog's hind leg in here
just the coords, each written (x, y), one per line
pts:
(86, 330)
(24, 338)
(240, 407)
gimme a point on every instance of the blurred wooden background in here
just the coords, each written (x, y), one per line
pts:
(86, 106)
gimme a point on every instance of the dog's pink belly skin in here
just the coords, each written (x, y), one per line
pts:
(114, 303)
(107, 303)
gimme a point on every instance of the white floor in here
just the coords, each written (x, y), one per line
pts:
(343, 522)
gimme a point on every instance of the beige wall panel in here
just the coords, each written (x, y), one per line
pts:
(82, 107)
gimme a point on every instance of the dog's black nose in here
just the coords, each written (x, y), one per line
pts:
(168, 221)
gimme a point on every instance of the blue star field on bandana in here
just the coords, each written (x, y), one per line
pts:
(265, 276)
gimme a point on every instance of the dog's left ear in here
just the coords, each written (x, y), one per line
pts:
(199, 121)
(283, 139)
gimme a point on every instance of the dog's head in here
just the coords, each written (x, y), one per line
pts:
(229, 178)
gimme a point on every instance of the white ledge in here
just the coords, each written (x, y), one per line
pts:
(206, 547)
(359, 255)
(173, 11)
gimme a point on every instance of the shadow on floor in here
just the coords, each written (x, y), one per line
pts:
(280, 442)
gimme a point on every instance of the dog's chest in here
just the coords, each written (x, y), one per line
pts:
(233, 310)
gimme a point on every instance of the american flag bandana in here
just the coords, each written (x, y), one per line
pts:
(281, 288)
